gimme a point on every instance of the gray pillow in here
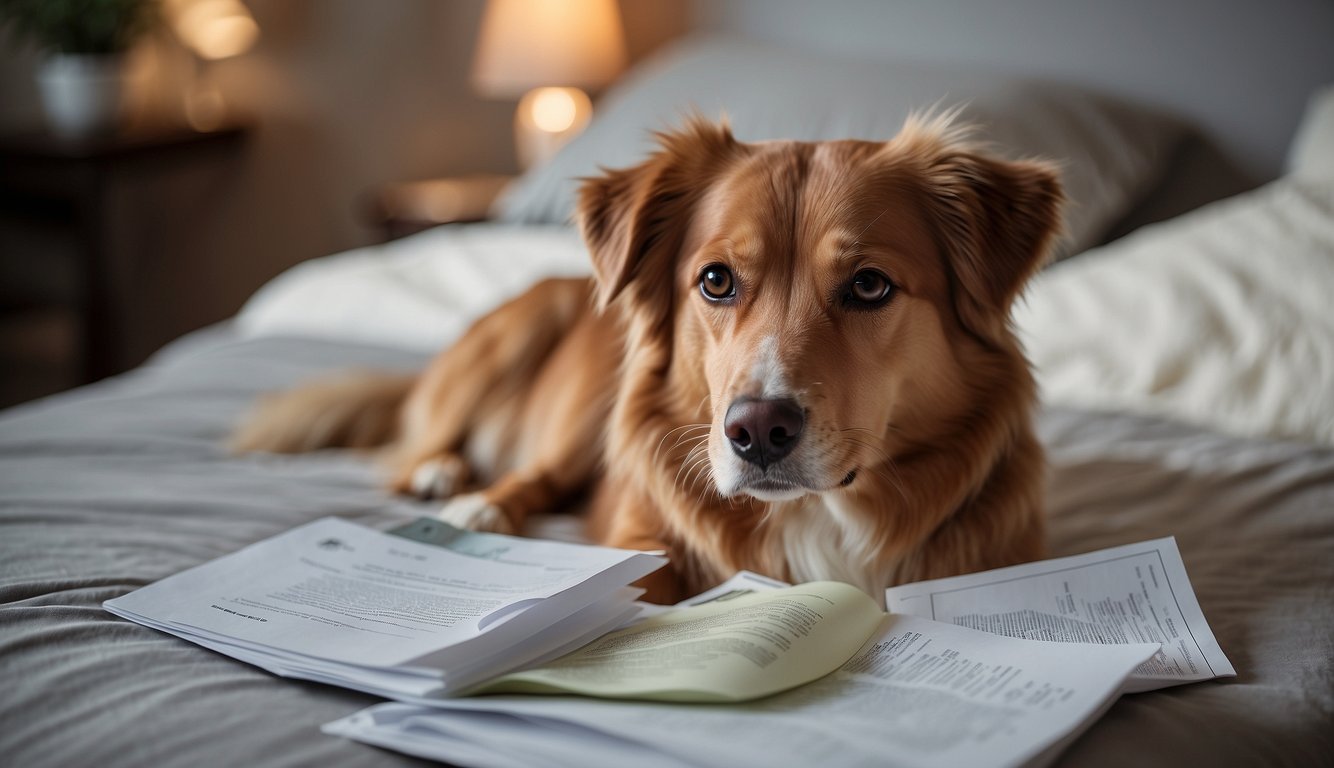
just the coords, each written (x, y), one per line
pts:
(1111, 152)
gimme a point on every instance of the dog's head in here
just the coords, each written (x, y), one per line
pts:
(838, 302)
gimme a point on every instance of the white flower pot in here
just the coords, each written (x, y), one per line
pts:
(81, 92)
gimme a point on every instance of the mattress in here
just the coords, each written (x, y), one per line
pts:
(113, 486)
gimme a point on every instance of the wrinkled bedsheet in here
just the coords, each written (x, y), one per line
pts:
(113, 486)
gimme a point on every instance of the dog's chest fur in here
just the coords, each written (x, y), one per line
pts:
(821, 539)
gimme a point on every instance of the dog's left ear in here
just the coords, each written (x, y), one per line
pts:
(634, 220)
(998, 220)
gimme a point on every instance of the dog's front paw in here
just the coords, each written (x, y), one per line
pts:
(437, 478)
(474, 513)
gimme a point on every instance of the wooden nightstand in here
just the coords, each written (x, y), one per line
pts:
(67, 190)
(406, 208)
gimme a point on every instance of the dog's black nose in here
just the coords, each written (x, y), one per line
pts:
(763, 431)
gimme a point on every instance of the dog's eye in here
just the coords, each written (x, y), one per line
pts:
(716, 283)
(869, 289)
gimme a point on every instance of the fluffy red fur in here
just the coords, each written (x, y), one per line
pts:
(866, 285)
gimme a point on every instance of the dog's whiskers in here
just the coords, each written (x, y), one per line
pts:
(692, 459)
(685, 462)
(701, 469)
(686, 431)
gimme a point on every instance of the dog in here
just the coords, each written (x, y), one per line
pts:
(793, 357)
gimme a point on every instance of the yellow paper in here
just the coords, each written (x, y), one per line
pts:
(736, 650)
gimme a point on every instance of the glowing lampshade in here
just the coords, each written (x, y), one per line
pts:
(527, 44)
(213, 29)
(547, 51)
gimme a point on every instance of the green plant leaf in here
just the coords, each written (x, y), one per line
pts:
(80, 26)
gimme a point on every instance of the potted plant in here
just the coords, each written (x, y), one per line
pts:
(84, 42)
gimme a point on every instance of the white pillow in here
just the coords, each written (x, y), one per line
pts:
(1112, 153)
(1220, 317)
(419, 293)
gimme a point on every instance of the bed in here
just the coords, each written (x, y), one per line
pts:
(1205, 415)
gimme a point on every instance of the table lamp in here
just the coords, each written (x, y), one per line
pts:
(547, 52)
(212, 30)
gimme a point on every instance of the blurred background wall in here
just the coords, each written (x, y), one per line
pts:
(1149, 50)
(342, 96)
(1248, 67)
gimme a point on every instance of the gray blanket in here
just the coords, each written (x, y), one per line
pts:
(113, 486)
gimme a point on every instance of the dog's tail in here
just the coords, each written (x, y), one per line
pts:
(354, 410)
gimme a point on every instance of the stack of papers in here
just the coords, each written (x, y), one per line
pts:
(1004, 668)
(917, 693)
(461, 629)
(339, 603)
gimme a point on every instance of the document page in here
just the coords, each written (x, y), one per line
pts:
(738, 649)
(342, 592)
(918, 693)
(1137, 593)
(742, 583)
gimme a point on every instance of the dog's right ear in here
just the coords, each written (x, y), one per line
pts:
(634, 219)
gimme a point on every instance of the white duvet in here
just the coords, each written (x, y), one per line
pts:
(1221, 317)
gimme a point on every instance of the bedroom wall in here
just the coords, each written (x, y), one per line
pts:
(1238, 70)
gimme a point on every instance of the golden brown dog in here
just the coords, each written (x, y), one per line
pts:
(794, 358)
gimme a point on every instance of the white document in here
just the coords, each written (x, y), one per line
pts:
(743, 583)
(428, 686)
(919, 693)
(342, 603)
(1137, 593)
